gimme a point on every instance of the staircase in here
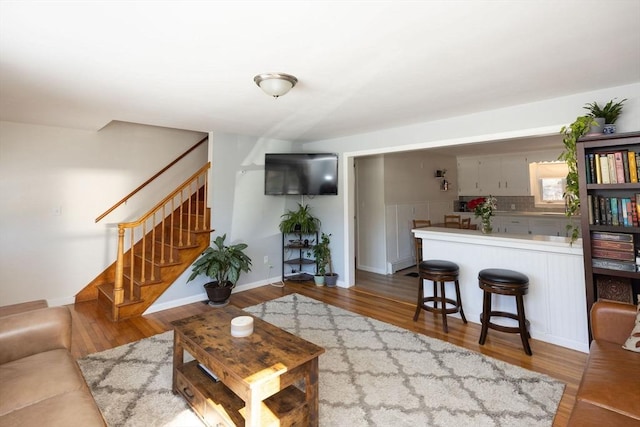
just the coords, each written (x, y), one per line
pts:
(154, 251)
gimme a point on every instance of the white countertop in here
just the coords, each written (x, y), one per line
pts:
(540, 242)
(536, 214)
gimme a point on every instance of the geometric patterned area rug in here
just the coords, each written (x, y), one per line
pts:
(377, 374)
(372, 374)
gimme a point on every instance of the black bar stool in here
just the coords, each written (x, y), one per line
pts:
(504, 282)
(438, 271)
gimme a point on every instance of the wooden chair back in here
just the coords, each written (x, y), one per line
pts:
(465, 223)
(452, 221)
(419, 223)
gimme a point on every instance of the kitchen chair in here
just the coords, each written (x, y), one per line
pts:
(452, 221)
(465, 223)
(419, 223)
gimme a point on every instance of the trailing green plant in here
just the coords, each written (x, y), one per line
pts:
(572, 133)
(299, 221)
(222, 263)
(610, 112)
(322, 253)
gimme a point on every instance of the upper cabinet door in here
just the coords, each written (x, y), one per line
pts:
(514, 171)
(468, 176)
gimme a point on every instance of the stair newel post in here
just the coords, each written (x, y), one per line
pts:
(118, 291)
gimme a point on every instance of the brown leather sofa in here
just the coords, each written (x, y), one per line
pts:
(609, 393)
(40, 382)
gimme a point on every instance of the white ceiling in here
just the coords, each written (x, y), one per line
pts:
(361, 65)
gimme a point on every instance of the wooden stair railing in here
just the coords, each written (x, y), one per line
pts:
(147, 182)
(154, 251)
(169, 224)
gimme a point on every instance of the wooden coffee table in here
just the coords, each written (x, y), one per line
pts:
(256, 374)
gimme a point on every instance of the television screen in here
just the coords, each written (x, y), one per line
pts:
(301, 173)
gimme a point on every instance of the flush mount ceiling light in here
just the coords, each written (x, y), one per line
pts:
(275, 84)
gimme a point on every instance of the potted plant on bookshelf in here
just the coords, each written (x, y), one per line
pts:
(572, 133)
(299, 221)
(321, 253)
(224, 264)
(605, 116)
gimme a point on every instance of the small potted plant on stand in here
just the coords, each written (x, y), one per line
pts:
(223, 264)
(300, 221)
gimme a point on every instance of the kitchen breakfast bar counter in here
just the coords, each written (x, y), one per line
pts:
(555, 304)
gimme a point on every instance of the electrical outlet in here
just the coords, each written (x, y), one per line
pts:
(266, 259)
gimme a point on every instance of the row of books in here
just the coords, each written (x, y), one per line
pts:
(616, 211)
(613, 251)
(612, 168)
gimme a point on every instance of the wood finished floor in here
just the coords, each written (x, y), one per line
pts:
(386, 298)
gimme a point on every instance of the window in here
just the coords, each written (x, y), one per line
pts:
(548, 183)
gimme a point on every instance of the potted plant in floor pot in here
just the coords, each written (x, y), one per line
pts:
(330, 278)
(321, 253)
(224, 264)
(604, 117)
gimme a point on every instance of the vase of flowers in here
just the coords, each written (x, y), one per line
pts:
(484, 208)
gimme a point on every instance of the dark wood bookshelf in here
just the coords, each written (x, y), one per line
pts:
(594, 276)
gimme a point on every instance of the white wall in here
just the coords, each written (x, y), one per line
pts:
(371, 253)
(392, 190)
(239, 207)
(78, 174)
(539, 118)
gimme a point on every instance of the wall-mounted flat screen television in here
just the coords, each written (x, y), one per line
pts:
(301, 173)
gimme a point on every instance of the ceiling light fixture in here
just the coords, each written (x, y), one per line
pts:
(275, 84)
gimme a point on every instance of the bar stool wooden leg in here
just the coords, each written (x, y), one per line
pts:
(443, 297)
(420, 299)
(524, 333)
(464, 319)
(485, 316)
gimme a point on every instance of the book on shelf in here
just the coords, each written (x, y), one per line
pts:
(613, 201)
(613, 244)
(596, 161)
(611, 254)
(625, 166)
(604, 167)
(633, 172)
(634, 212)
(617, 156)
(619, 237)
(590, 209)
(613, 265)
(611, 161)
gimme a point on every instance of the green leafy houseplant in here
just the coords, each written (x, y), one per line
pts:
(222, 263)
(299, 221)
(572, 133)
(610, 112)
(322, 253)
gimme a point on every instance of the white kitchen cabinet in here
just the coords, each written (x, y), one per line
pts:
(468, 176)
(493, 175)
(556, 226)
(515, 225)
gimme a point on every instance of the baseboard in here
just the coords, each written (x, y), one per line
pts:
(402, 264)
(203, 296)
(371, 269)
